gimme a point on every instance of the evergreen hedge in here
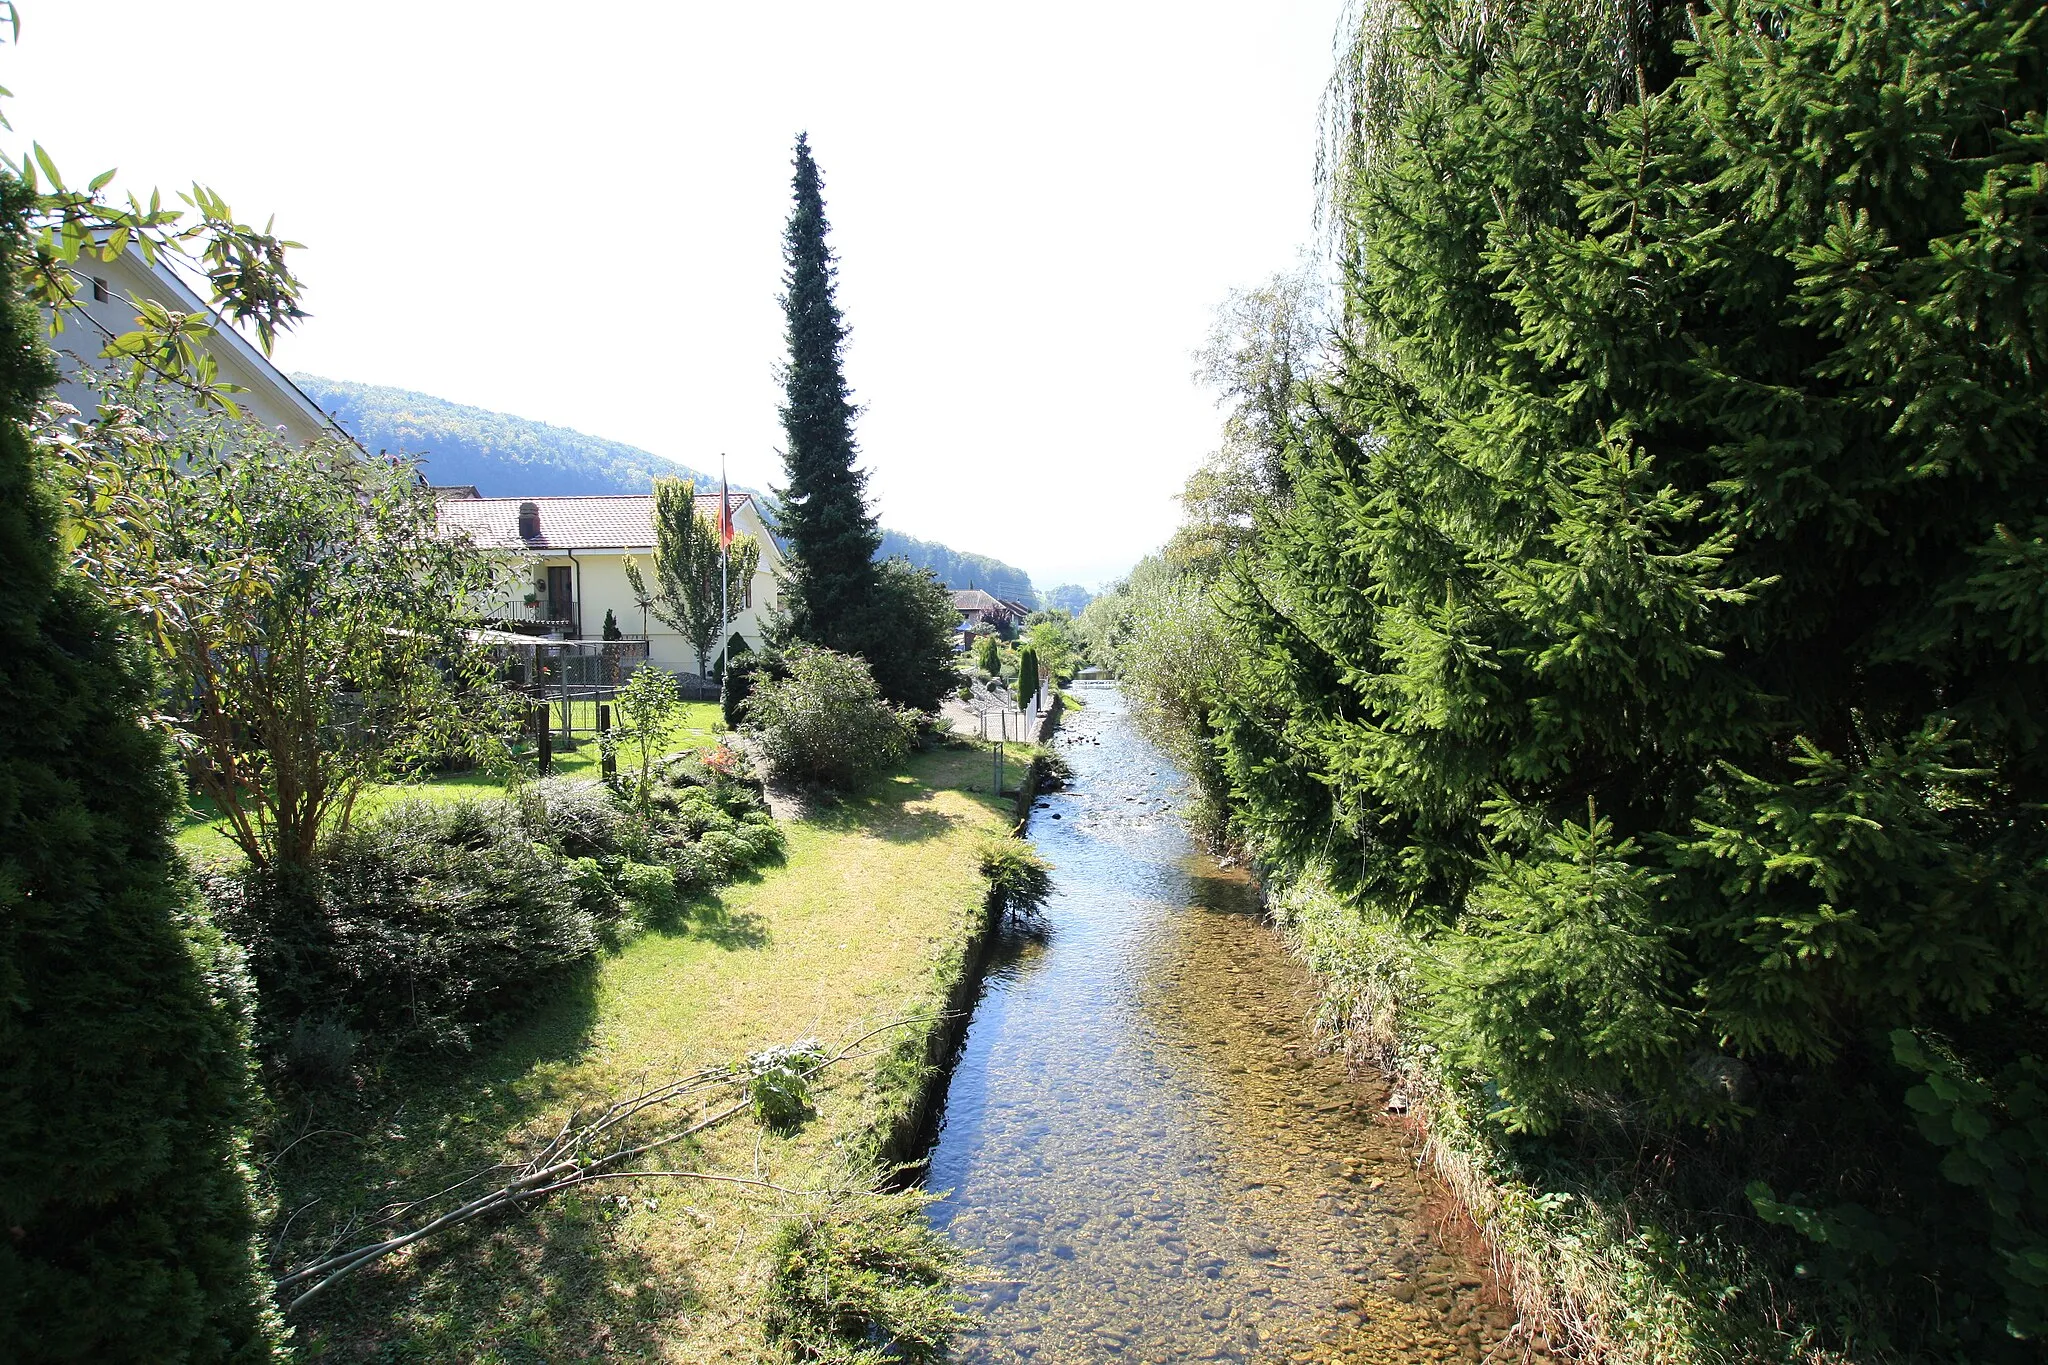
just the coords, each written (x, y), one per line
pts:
(126, 1212)
(1652, 620)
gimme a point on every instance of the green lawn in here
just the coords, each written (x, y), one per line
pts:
(202, 834)
(864, 923)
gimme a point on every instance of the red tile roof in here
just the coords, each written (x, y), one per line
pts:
(615, 521)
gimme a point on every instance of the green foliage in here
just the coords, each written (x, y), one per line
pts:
(738, 683)
(611, 629)
(422, 924)
(1027, 676)
(988, 656)
(957, 568)
(905, 632)
(1018, 879)
(824, 518)
(646, 709)
(863, 1280)
(125, 1187)
(1053, 638)
(1682, 472)
(501, 455)
(779, 1084)
(305, 611)
(691, 568)
(826, 723)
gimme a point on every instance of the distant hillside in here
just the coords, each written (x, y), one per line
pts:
(509, 457)
(957, 569)
(504, 456)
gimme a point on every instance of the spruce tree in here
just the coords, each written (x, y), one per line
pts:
(824, 517)
(1653, 625)
(126, 1216)
(898, 618)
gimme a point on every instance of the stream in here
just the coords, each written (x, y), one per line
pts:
(1144, 1153)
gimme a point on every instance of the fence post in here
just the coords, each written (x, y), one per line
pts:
(609, 759)
(544, 736)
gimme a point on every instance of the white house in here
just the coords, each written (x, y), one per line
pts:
(572, 556)
(107, 295)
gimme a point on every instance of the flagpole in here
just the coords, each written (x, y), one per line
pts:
(724, 562)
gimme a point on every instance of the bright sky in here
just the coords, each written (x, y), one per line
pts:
(574, 213)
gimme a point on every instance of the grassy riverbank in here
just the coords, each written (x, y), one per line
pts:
(865, 922)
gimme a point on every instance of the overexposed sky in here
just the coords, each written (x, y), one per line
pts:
(574, 213)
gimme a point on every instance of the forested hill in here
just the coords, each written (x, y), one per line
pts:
(507, 456)
(504, 456)
(958, 569)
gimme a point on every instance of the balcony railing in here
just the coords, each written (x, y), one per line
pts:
(553, 613)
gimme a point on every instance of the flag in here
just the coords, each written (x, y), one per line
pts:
(725, 531)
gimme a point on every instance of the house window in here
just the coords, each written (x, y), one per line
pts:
(100, 292)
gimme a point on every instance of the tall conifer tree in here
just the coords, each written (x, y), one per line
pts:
(832, 535)
(125, 1211)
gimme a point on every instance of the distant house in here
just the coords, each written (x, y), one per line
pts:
(572, 556)
(108, 292)
(978, 609)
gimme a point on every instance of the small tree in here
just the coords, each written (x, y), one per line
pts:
(306, 612)
(1027, 676)
(988, 656)
(826, 722)
(693, 579)
(648, 706)
(611, 626)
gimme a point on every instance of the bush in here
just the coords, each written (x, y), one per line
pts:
(866, 1278)
(423, 923)
(578, 817)
(1018, 879)
(825, 723)
(738, 685)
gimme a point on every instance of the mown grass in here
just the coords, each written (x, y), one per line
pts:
(203, 833)
(864, 922)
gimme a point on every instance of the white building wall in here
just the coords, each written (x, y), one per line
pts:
(267, 396)
(601, 585)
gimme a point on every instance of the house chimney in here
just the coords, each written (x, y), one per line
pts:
(529, 521)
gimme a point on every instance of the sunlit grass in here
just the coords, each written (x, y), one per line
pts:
(203, 833)
(864, 923)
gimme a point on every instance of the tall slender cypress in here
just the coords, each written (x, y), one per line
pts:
(831, 533)
(126, 1220)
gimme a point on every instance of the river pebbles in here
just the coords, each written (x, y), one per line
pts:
(1145, 1154)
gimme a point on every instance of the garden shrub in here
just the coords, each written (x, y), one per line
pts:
(127, 1220)
(422, 923)
(825, 724)
(578, 817)
(741, 673)
(652, 890)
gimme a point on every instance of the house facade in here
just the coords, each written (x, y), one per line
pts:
(571, 555)
(978, 608)
(108, 292)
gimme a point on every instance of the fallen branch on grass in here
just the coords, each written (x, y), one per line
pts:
(582, 1152)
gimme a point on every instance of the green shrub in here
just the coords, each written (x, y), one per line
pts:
(424, 922)
(126, 1213)
(1018, 879)
(653, 891)
(740, 677)
(779, 1084)
(1027, 675)
(825, 724)
(578, 817)
(864, 1279)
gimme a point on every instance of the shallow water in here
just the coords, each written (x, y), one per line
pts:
(1147, 1157)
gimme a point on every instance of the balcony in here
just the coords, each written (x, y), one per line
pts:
(550, 615)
